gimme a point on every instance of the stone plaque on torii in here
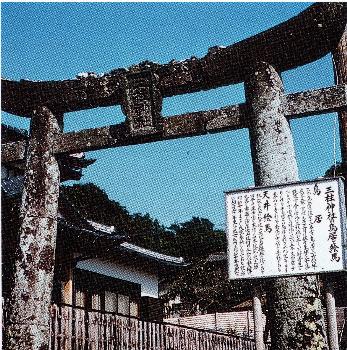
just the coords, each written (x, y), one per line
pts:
(140, 91)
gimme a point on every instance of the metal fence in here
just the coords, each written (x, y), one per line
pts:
(78, 329)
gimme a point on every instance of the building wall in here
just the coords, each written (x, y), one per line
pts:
(148, 280)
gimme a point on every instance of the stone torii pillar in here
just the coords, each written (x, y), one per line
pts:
(27, 326)
(296, 319)
(340, 67)
(340, 70)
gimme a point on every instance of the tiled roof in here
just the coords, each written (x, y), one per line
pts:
(106, 232)
(101, 227)
(172, 260)
(222, 256)
(91, 233)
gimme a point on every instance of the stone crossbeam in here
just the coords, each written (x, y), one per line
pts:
(302, 39)
(295, 105)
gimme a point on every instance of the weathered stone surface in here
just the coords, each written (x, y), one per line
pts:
(303, 39)
(272, 147)
(295, 314)
(190, 124)
(87, 140)
(13, 151)
(142, 102)
(340, 65)
(313, 102)
(41, 176)
(28, 324)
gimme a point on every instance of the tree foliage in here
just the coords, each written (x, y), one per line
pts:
(205, 287)
(193, 239)
(197, 238)
(94, 204)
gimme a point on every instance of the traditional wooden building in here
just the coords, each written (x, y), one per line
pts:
(98, 269)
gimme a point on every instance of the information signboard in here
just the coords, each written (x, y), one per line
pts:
(290, 229)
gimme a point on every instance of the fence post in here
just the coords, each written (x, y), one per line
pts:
(291, 299)
(258, 321)
(66, 297)
(331, 317)
(28, 326)
(66, 284)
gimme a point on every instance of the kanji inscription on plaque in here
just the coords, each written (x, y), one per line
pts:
(287, 229)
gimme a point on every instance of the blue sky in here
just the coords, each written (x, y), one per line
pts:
(171, 180)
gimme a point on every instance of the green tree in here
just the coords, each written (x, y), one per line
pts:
(197, 238)
(149, 233)
(94, 204)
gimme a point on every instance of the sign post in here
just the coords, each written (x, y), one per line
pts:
(258, 321)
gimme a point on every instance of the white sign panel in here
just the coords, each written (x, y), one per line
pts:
(286, 230)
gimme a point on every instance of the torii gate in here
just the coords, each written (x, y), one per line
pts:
(139, 90)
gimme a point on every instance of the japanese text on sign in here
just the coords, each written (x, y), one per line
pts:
(284, 230)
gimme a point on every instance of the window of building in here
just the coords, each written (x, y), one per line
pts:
(80, 298)
(123, 304)
(134, 308)
(98, 292)
(96, 301)
(111, 304)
